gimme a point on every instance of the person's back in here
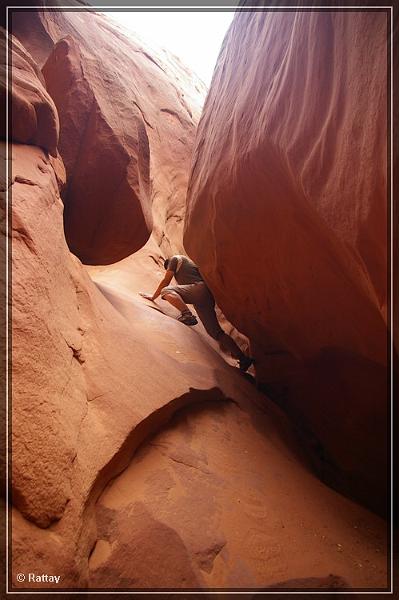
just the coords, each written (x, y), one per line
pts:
(184, 269)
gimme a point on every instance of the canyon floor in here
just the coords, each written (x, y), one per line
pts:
(224, 485)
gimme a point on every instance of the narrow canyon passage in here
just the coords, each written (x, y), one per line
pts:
(224, 485)
(142, 458)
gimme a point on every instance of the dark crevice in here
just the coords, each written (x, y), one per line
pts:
(173, 113)
(151, 59)
(143, 115)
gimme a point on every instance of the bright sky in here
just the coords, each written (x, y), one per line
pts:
(195, 37)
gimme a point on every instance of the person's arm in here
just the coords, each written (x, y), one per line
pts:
(165, 281)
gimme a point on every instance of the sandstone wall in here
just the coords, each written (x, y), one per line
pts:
(287, 220)
(128, 118)
(140, 459)
(118, 480)
(33, 116)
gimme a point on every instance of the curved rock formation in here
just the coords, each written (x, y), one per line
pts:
(127, 127)
(34, 118)
(140, 458)
(219, 492)
(287, 220)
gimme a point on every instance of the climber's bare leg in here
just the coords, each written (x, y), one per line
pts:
(174, 299)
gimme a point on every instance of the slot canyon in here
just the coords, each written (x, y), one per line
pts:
(142, 457)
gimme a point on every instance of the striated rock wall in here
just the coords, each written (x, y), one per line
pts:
(96, 373)
(34, 118)
(287, 220)
(140, 458)
(128, 119)
(133, 439)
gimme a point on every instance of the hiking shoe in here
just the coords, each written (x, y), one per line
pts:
(245, 362)
(188, 319)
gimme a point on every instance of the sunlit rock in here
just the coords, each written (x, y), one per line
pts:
(33, 116)
(128, 118)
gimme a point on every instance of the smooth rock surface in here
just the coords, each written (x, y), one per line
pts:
(140, 458)
(218, 488)
(127, 129)
(219, 493)
(34, 118)
(287, 220)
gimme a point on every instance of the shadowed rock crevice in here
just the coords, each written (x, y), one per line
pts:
(352, 471)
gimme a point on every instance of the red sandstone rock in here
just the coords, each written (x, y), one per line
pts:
(127, 127)
(287, 220)
(218, 493)
(332, 582)
(106, 492)
(34, 118)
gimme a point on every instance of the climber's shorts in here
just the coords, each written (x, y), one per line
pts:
(199, 295)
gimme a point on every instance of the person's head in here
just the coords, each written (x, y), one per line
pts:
(166, 264)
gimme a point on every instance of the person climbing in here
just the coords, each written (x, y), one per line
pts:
(192, 289)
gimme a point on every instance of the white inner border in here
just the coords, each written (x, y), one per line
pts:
(210, 9)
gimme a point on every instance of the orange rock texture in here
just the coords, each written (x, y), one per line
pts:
(134, 439)
(287, 219)
(140, 458)
(121, 118)
(34, 118)
(216, 498)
